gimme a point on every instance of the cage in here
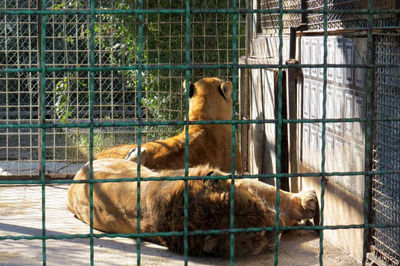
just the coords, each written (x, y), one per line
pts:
(316, 101)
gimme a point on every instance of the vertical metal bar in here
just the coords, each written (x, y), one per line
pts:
(397, 6)
(303, 5)
(233, 157)
(40, 85)
(18, 94)
(323, 177)
(187, 74)
(91, 125)
(31, 24)
(7, 89)
(279, 130)
(292, 46)
(244, 106)
(139, 129)
(43, 121)
(368, 128)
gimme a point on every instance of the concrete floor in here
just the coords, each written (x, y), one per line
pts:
(20, 214)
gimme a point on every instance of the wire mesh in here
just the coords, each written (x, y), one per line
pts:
(386, 188)
(115, 96)
(269, 23)
(19, 91)
(83, 75)
(70, 92)
(338, 19)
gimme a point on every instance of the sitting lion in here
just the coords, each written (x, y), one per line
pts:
(162, 207)
(210, 99)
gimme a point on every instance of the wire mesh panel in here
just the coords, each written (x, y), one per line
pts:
(67, 46)
(269, 23)
(386, 187)
(92, 67)
(335, 20)
(339, 20)
(19, 93)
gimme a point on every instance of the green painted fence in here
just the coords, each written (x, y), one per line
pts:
(188, 66)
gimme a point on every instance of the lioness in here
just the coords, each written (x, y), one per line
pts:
(162, 207)
(210, 99)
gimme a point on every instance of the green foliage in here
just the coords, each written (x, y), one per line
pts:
(163, 42)
(62, 108)
(100, 141)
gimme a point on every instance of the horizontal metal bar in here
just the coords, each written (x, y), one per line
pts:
(198, 122)
(191, 66)
(3, 179)
(36, 177)
(196, 11)
(205, 232)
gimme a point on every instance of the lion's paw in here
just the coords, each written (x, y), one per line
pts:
(133, 153)
(309, 203)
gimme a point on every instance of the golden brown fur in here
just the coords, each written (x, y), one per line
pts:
(211, 99)
(162, 209)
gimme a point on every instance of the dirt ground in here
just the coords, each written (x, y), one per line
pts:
(20, 214)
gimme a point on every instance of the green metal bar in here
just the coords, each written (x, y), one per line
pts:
(175, 178)
(323, 176)
(187, 75)
(202, 122)
(368, 133)
(139, 131)
(279, 133)
(233, 139)
(197, 11)
(43, 131)
(91, 128)
(205, 232)
(196, 66)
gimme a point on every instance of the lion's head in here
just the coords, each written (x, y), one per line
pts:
(210, 99)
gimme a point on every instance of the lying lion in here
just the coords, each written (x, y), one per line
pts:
(210, 99)
(162, 207)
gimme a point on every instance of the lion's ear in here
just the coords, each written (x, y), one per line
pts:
(212, 173)
(226, 88)
(210, 244)
(191, 88)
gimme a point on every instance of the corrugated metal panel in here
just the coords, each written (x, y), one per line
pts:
(345, 99)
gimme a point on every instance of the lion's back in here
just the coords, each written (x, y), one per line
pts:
(209, 209)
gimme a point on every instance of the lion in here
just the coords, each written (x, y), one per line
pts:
(162, 207)
(210, 99)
